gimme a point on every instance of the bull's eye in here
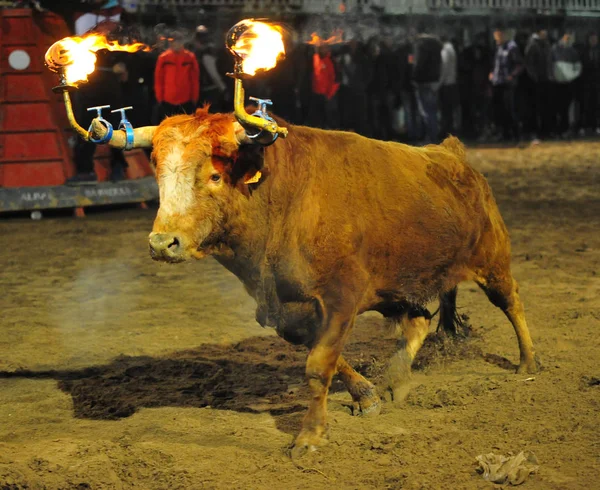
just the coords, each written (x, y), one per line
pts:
(215, 177)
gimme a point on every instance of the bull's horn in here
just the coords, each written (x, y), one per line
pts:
(142, 137)
(240, 134)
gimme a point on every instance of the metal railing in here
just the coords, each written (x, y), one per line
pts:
(388, 6)
(577, 5)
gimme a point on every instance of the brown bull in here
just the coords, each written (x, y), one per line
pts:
(325, 225)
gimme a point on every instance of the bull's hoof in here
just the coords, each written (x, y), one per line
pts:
(367, 407)
(307, 442)
(530, 366)
(398, 393)
(366, 401)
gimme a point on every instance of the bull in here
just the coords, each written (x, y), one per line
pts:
(325, 225)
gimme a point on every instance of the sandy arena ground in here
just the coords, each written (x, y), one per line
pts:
(118, 372)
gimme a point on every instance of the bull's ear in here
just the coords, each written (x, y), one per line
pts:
(248, 166)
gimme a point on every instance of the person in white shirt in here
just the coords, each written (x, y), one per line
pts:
(449, 95)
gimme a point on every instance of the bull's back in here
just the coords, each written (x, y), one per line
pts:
(409, 215)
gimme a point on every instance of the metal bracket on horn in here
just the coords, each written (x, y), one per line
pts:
(260, 127)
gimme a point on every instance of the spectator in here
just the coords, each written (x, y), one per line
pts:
(475, 63)
(284, 82)
(408, 99)
(426, 72)
(591, 84)
(95, 12)
(133, 92)
(449, 96)
(323, 111)
(103, 88)
(377, 89)
(538, 65)
(566, 69)
(508, 65)
(176, 80)
(213, 89)
(389, 67)
(356, 73)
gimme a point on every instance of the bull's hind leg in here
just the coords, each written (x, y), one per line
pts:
(414, 327)
(450, 321)
(503, 291)
(363, 392)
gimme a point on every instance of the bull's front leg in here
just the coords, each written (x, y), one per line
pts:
(320, 368)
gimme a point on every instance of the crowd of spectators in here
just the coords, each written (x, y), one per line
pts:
(417, 87)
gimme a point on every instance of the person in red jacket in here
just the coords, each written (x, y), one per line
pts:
(322, 112)
(176, 80)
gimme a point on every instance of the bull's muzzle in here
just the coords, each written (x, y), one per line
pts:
(167, 247)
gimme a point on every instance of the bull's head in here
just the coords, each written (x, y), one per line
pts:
(200, 172)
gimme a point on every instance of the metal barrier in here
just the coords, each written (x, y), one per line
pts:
(575, 5)
(366, 6)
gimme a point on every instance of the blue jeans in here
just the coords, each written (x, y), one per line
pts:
(411, 118)
(427, 100)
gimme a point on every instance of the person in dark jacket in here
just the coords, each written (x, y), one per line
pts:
(538, 66)
(102, 88)
(426, 72)
(213, 89)
(508, 66)
(404, 54)
(475, 63)
(591, 84)
(382, 90)
(356, 72)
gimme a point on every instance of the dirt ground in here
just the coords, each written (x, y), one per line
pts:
(120, 372)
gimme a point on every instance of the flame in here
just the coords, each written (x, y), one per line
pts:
(260, 47)
(76, 55)
(335, 38)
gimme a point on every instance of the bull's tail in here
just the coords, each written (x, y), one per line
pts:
(453, 144)
(450, 321)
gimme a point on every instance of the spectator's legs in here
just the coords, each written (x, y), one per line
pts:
(449, 102)
(332, 112)
(531, 111)
(512, 116)
(410, 114)
(360, 118)
(317, 111)
(498, 107)
(543, 109)
(428, 108)
(563, 103)
(84, 156)
(375, 119)
(590, 106)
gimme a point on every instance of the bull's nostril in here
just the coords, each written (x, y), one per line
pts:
(174, 244)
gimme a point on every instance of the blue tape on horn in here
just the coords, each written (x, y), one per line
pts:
(126, 126)
(109, 129)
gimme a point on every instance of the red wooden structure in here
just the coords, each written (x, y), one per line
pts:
(35, 136)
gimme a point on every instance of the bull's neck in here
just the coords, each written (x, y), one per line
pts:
(243, 243)
(256, 218)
